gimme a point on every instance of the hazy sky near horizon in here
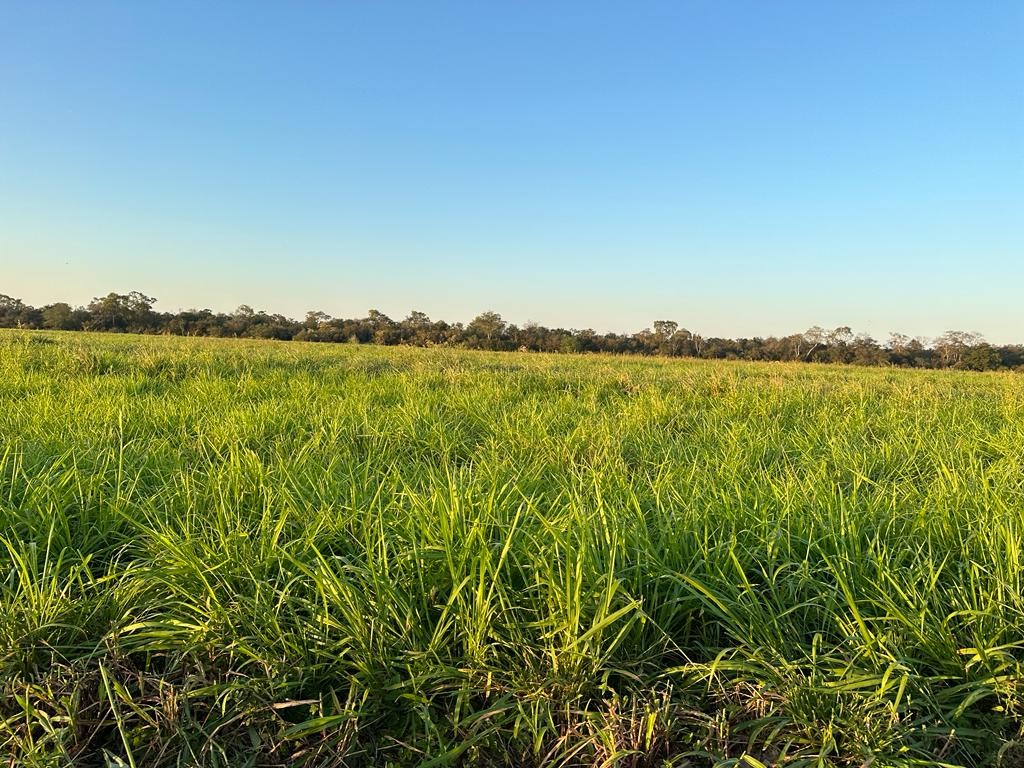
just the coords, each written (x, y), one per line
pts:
(744, 168)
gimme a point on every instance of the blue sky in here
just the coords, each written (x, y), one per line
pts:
(745, 168)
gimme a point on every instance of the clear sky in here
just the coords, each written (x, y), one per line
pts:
(744, 168)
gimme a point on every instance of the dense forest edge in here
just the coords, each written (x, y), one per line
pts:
(133, 313)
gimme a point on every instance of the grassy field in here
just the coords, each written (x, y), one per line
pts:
(228, 553)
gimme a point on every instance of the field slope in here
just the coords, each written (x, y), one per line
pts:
(227, 553)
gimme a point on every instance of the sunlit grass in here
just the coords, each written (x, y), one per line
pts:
(248, 553)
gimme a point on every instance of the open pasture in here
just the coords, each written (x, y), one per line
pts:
(247, 553)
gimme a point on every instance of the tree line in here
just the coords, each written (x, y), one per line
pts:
(133, 313)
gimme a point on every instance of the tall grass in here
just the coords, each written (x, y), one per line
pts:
(243, 553)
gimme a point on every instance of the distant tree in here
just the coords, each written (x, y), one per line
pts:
(811, 340)
(377, 318)
(980, 357)
(279, 327)
(12, 311)
(316, 319)
(1012, 356)
(239, 321)
(417, 329)
(864, 350)
(697, 341)
(898, 342)
(669, 339)
(952, 345)
(193, 322)
(587, 341)
(663, 329)
(905, 351)
(487, 327)
(61, 317)
(682, 343)
(117, 312)
(841, 335)
(417, 319)
(645, 341)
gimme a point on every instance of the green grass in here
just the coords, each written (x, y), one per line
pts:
(227, 553)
